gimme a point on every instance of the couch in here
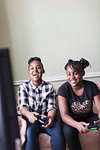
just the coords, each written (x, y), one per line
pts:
(89, 140)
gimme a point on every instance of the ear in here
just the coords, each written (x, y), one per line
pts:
(28, 70)
(83, 73)
(43, 71)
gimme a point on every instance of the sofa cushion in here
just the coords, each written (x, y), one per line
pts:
(45, 141)
(90, 140)
(22, 127)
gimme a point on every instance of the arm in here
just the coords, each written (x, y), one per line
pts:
(24, 104)
(63, 108)
(51, 107)
(29, 115)
(97, 103)
(51, 117)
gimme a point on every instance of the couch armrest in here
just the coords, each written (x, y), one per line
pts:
(22, 126)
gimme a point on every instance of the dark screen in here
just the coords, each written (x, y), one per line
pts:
(9, 129)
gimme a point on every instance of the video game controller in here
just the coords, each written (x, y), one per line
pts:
(43, 121)
(93, 127)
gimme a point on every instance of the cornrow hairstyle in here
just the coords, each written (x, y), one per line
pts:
(37, 59)
(77, 65)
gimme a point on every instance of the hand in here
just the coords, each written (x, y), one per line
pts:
(81, 127)
(98, 121)
(50, 121)
(31, 117)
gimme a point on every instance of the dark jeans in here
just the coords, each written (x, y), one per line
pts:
(56, 133)
(71, 134)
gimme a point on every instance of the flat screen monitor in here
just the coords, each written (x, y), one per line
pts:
(9, 129)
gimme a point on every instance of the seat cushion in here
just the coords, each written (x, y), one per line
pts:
(90, 140)
(45, 141)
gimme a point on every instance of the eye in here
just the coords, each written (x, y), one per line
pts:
(76, 73)
(68, 74)
(31, 68)
(38, 67)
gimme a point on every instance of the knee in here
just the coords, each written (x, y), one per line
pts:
(69, 132)
(57, 127)
(57, 131)
(32, 130)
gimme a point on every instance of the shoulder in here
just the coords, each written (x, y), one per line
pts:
(47, 86)
(91, 86)
(65, 85)
(89, 83)
(63, 89)
(24, 85)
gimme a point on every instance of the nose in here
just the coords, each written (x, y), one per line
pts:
(35, 69)
(72, 75)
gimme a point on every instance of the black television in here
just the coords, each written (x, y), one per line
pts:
(9, 129)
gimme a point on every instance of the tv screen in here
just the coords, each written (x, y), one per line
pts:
(9, 129)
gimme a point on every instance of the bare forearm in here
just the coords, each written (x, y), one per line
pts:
(99, 115)
(52, 113)
(97, 103)
(29, 115)
(80, 126)
(24, 111)
(98, 110)
(69, 120)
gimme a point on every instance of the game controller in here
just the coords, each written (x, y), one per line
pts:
(42, 120)
(93, 127)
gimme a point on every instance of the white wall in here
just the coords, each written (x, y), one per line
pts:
(55, 30)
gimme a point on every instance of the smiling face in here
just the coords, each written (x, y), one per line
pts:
(35, 72)
(74, 77)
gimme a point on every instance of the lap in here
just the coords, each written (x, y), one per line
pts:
(56, 127)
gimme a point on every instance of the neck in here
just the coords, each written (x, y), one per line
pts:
(78, 87)
(37, 83)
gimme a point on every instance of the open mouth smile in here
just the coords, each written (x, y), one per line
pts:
(35, 74)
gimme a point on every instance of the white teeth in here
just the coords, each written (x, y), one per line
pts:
(35, 74)
(73, 81)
